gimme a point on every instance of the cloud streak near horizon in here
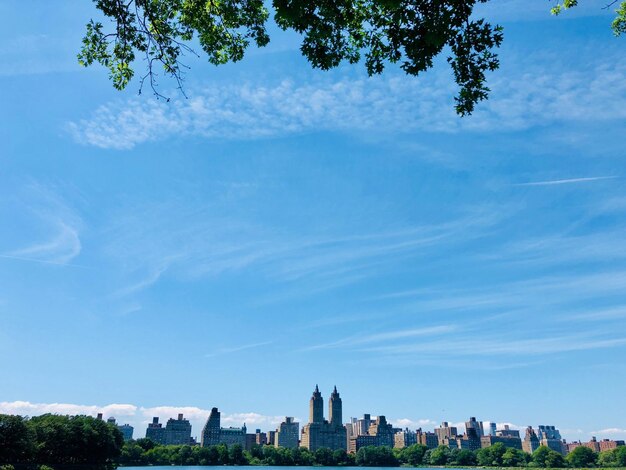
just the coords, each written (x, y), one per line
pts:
(384, 105)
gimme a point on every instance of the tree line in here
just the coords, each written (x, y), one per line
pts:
(59, 441)
(76, 442)
(145, 452)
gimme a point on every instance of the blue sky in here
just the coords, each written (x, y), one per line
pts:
(284, 227)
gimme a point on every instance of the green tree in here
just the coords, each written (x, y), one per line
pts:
(412, 455)
(372, 456)
(235, 455)
(613, 458)
(462, 457)
(132, 454)
(145, 443)
(547, 458)
(340, 458)
(16, 440)
(439, 456)
(302, 457)
(582, 457)
(491, 456)
(515, 458)
(324, 456)
(75, 440)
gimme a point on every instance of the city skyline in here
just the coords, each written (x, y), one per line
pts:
(284, 226)
(237, 422)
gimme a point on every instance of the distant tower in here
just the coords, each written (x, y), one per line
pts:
(316, 407)
(334, 409)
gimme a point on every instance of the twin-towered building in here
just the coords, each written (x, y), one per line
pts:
(320, 433)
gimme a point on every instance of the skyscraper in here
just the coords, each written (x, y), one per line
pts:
(211, 430)
(334, 409)
(316, 407)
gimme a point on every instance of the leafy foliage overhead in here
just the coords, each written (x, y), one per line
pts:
(410, 33)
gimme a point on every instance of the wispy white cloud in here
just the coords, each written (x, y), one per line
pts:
(359, 339)
(198, 243)
(384, 105)
(603, 432)
(567, 181)
(233, 349)
(61, 249)
(57, 219)
(496, 345)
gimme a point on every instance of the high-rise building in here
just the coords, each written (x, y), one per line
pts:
(473, 428)
(316, 407)
(383, 430)
(334, 409)
(155, 431)
(508, 441)
(261, 438)
(492, 429)
(404, 438)
(211, 430)
(379, 433)
(360, 426)
(127, 431)
(271, 438)
(288, 433)
(428, 439)
(177, 431)
(319, 433)
(606, 444)
(250, 441)
(507, 432)
(531, 441)
(550, 437)
(445, 433)
(214, 434)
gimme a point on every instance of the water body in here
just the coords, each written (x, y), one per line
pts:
(269, 467)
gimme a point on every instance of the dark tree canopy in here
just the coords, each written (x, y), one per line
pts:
(410, 33)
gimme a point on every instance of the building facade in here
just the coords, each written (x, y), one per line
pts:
(177, 431)
(214, 434)
(155, 431)
(607, 444)
(127, 431)
(404, 438)
(507, 441)
(428, 439)
(531, 441)
(287, 434)
(445, 433)
(380, 433)
(261, 438)
(550, 437)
